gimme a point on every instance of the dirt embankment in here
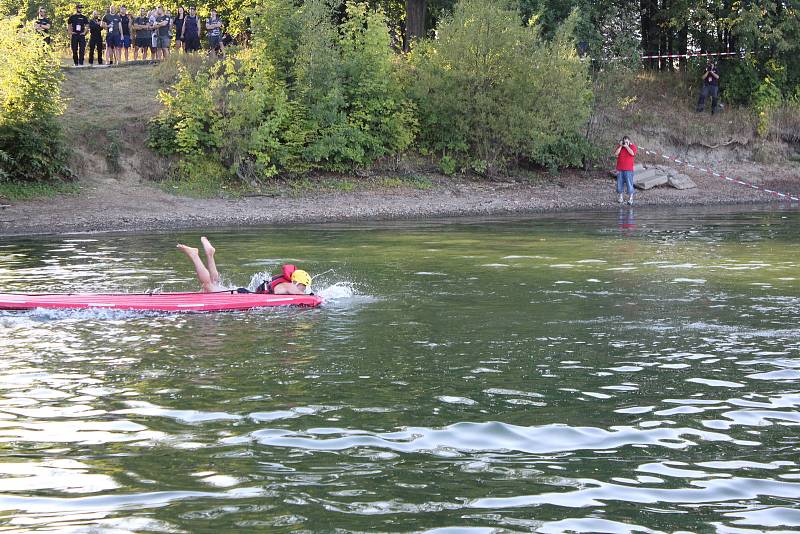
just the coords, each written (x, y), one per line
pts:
(106, 122)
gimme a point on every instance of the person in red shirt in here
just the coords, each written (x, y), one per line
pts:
(626, 152)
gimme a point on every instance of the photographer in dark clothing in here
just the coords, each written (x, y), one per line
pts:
(710, 88)
(78, 27)
(95, 39)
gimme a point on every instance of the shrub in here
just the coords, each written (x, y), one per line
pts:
(785, 122)
(308, 95)
(740, 82)
(493, 89)
(766, 99)
(31, 143)
(448, 165)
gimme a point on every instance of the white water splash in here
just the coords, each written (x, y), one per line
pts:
(338, 291)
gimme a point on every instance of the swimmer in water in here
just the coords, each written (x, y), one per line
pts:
(291, 281)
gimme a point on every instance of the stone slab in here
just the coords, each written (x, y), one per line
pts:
(649, 179)
(645, 174)
(681, 181)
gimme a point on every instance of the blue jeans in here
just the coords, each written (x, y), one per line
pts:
(626, 178)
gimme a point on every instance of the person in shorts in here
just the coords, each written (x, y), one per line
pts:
(95, 38)
(214, 33)
(190, 31)
(178, 22)
(626, 154)
(125, 19)
(112, 22)
(78, 27)
(141, 43)
(162, 26)
(42, 25)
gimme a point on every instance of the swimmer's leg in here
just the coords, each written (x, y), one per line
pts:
(202, 273)
(212, 266)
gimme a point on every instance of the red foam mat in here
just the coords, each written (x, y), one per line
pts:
(168, 302)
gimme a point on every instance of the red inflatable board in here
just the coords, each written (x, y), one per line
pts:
(167, 302)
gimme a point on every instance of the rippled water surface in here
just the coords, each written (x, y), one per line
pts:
(587, 373)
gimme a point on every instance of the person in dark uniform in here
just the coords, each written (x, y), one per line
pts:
(144, 35)
(178, 22)
(125, 19)
(191, 31)
(78, 27)
(42, 25)
(710, 88)
(112, 22)
(95, 38)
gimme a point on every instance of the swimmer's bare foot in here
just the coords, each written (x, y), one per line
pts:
(189, 251)
(207, 246)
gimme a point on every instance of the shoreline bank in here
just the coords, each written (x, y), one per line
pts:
(119, 207)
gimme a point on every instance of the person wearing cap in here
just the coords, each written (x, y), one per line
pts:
(292, 281)
(42, 25)
(78, 27)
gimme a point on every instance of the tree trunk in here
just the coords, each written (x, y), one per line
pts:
(415, 21)
(651, 39)
(683, 45)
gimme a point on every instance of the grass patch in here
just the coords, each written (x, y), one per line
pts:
(203, 187)
(412, 181)
(16, 191)
(342, 185)
(202, 178)
(108, 99)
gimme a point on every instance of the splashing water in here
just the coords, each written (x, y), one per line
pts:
(338, 291)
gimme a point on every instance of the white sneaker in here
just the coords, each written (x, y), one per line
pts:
(621, 199)
(630, 201)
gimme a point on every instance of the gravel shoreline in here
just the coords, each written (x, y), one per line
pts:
(119, 207)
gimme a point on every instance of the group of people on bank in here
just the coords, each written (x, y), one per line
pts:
(151, 33)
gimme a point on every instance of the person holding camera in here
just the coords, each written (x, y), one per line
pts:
(710, 88)
(626, 153)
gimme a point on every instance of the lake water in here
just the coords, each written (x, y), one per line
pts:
(596, 372)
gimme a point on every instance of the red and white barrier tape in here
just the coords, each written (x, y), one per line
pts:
(718, 175)
(692, 54)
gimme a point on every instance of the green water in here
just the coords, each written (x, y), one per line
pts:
(586, 373)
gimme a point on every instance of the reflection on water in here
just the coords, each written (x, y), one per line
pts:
(598, 373)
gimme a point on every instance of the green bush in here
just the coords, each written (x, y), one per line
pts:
(308, 95)
(448, 165)
(491, 88)
(740, 82)
(31, 143)
(766, 100)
